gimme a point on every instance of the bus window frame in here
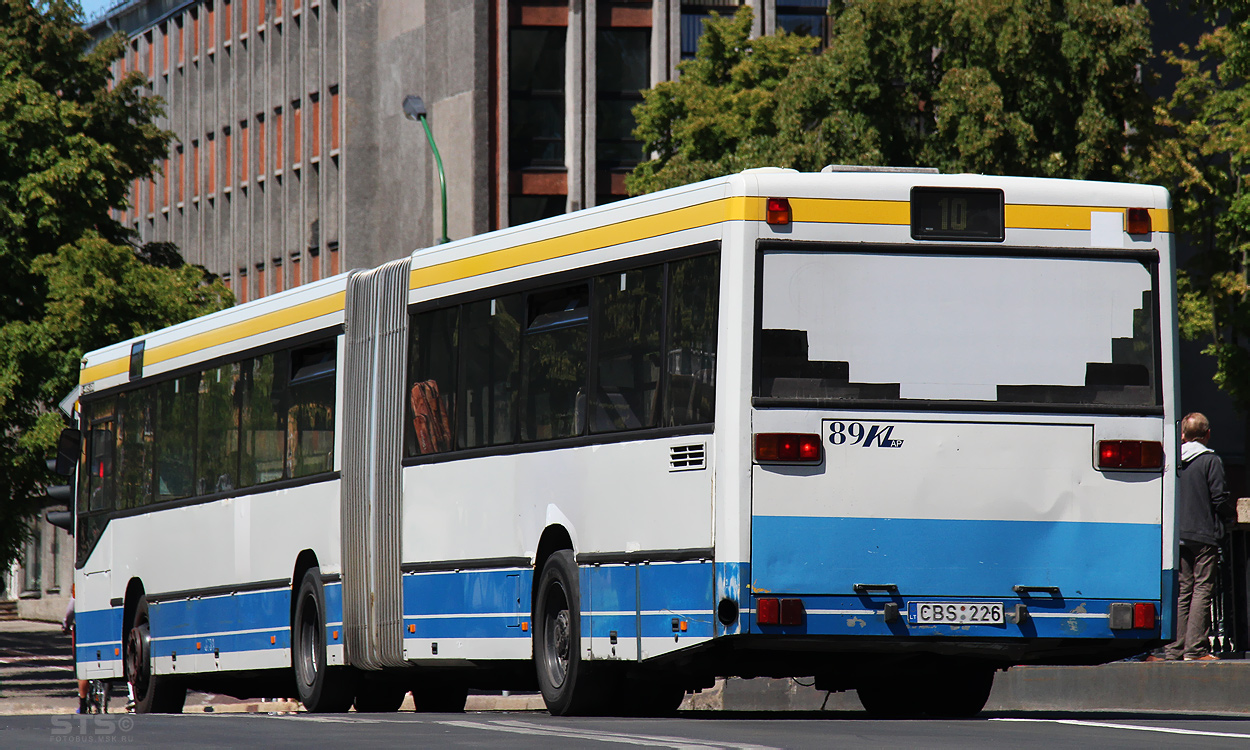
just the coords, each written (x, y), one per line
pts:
(561, 279)
(329, 335)
(1150, 258)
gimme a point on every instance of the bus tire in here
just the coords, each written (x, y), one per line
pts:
(154, 694)
(965, 689)
(890, 698)
(320, 687)
(431, 696)
(569, 684)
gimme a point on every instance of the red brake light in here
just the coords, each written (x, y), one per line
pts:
(768, 611)
(778, 211)
(1130, 454)
(787, 447)
(1138, 220)
(1144, 615)
(792, 611)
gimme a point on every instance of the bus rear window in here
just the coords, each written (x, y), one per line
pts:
(843, 327)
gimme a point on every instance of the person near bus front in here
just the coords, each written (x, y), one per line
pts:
(1201, 500)
(67, 626)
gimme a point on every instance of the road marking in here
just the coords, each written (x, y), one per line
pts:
(1137, 727)
(678, 743)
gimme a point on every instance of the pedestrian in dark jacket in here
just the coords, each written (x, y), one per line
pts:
(1201, 501)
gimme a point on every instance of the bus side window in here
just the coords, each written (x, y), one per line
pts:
(218, 444)
(263, 419)
(553, 357)
(490, 379)
(310, 417)
(431, 395)
(101, 455)
(694, 293)
(629, 316)
(175, 447)
(135, 416)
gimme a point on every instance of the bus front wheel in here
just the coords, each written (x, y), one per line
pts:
(569, 684)
(153, 693)
(321, 688)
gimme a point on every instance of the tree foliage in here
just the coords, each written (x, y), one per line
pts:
(1202, 155)
(990, 86)
(70, 145)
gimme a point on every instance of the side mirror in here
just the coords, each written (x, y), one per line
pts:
(62, 519)
(67, 449)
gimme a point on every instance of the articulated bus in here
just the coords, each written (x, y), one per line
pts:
(892, 430)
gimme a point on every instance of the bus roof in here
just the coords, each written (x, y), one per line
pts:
(635, 226)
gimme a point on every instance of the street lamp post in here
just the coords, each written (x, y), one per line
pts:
(414, 109)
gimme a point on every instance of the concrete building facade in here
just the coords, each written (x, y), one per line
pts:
(292, 158)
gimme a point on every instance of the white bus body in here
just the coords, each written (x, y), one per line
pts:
(894, 425)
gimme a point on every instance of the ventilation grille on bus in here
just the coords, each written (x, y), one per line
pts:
(687, 457)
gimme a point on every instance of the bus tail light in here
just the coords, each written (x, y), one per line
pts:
(787, 447)
(778, 211)
(1144, 616)
(768, 611)
(1130, 454)
(1138, 221)
(792, 611)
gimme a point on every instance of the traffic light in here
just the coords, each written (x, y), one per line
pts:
(67, 448)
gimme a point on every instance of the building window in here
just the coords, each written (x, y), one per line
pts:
(212, 29)
(261, 165)
(229, 160)
(32, 562)
(244, 153)
(315, 146)
(277, 140)
(195, 169)
(54, 575)
(694, 14)
(334, 118)
(804, 17)
(297, 133)
(536, 97)
(624, 70)
(212, 165)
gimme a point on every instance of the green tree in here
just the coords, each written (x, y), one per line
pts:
(1049, 89)
(70, 145)
(1202, 155)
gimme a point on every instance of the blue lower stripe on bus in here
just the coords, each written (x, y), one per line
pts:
(494, 603)
(943, 557)
(100, 630)
(250, 621)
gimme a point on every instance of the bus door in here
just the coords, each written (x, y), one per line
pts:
(927, 429)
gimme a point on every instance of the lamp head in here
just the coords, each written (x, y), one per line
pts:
(414, 108)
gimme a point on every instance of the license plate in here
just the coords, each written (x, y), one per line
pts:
(955, 613)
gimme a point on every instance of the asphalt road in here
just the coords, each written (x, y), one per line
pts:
(694, 731)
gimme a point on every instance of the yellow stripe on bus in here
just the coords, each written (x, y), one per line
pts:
(691, 217)
(226, 334)
(738, 208)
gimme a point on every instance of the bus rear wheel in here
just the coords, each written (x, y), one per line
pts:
(569, 684)
(320, 687)
(154, 694)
